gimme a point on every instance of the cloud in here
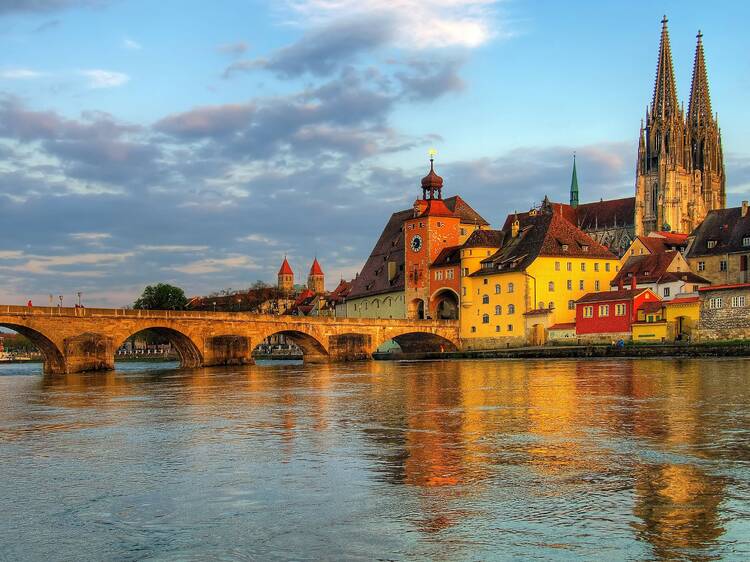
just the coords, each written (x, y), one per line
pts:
(426, 81)
(207, 121)
(213, 265)
(173, 248)
(99, 78)
(42, 6)
(415, 24)
(20, 74)
(60, 265)
(131, 45)
(91, 238)
(233, 49)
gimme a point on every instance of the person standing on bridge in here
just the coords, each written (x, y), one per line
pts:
(29, 304)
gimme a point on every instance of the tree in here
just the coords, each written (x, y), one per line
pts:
(161, 297)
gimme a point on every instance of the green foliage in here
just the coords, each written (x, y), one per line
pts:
(161, 297)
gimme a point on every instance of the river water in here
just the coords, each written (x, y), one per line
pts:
(459, 460)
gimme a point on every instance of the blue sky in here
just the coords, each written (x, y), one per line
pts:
(197, 143)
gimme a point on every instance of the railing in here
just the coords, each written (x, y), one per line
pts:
(52, 311)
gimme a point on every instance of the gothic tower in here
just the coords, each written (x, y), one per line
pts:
(316, 279)
(705, 138)
(574, 186)
(680, 169)
(286, 278)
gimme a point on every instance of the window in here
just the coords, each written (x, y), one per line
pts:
(421, 225)
(551, 305)
(711, 244)
(701, 266)
(551, 287)
(596, 266)
(585, 248)
(588, 311)
(723, 265)
(603, 310)
(583, 266)
(438, 276)
(571, 305)
(581, 285)
(510, 327)
(666, 291)
(620, 310)
(449, 274)
(570, 284)
(485, 299)
(485, 281)
(497, 328)
(510, 287)
(606, 266)
(497, 288)
(715, 303)
(738, 301)
(466, 271)
(511, 309)
(485, 318)
(596, 285)
(746, 241)
(564, 247)
(473, 329)
(498, 310)
(462, 231)
(463, 291)
(570, 266)
(557, 266)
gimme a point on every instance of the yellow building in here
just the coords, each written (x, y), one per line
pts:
(524, 279)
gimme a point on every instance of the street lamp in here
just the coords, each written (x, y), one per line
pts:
(79, 298)
(61, 300)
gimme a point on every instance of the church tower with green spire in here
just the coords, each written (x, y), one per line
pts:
(574, 186)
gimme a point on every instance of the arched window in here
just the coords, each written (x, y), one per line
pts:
(485, 319)
(551, 287)
(498, 310)
(511, 309)
(497, 288)
(510, 287)
(485, 299)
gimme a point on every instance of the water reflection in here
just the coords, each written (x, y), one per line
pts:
(442, 460)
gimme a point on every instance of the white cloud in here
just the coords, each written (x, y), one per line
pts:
(171, 248)
(212, 265)
(259, 238)
(10, 255)
(131, 45)
(99, 78)
(90, 237)
(47, 265)
(418, 24)
(20, 74)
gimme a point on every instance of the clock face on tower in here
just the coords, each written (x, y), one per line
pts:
(416, 243)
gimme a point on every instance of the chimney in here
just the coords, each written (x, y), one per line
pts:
(744, 209)
(634, 282)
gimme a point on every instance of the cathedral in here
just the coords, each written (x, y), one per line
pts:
(680, 169)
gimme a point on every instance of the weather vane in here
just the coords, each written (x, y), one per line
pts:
(432, 152)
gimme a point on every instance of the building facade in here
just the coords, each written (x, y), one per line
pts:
(724, 312)
(680, 166)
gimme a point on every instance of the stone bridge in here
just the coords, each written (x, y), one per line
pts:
(85, 339)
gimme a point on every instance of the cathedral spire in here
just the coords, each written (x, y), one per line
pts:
(699, 108)
(574, 185)
(665, 93)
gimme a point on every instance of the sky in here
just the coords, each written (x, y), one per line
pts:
(197, 143)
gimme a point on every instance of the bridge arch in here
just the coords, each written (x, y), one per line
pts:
(312, 348)
(416, 341)
(54, 359)
(187, 349)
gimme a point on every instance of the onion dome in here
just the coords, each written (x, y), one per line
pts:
(432, 182)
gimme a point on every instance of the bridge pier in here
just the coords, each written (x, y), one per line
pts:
(228, 350)
(349, 347)
(87, 352)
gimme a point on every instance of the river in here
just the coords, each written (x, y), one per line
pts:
(454, 460)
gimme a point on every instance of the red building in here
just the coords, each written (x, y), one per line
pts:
(611, 312)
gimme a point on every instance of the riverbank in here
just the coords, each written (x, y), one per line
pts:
(726, 349)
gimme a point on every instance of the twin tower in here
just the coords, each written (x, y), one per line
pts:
(680, 171)
(315, 279)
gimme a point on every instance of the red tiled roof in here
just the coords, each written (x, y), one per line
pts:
(648, 268)
(674, 238)
(464, 211)
(285, 268)
(485, 239)
(654, 245)
(563, 326)
(605, 296)
(724, 287)
(606, 213)
(448, 256)
(687, 276)
(436, 208)
(650, 306)
(315, 269)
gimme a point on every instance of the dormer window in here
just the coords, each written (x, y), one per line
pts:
(585, 248)
(646, 273)
(746, 241)
(711, 244)
(564, 247)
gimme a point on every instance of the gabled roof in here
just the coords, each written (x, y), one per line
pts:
(593, 216)
(436, 208)
(448, 256)
(485, 239)
(373, 279)
(648, 268)
(672, 238)
(608, 296)
(686, 276)
(726, 227)
(464, 211)
(650, 306)
(545, 233)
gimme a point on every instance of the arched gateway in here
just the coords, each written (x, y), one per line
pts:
(86, 339)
